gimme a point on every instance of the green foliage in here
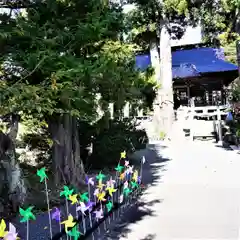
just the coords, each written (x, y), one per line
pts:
(60, 54)
(108, 143)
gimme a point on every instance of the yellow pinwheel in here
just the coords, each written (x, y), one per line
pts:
(123, 155)
(122, 176)
(101, 196)
(69, 223)
(2, 229)
(135, 176)
(100, 185)
(111, 190)
(73, 198)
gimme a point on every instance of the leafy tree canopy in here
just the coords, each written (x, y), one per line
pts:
(57, 55)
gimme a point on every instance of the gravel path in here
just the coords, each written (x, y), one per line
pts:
(194, 195)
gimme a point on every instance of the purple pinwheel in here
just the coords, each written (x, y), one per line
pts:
(90, 205)
(139, 180)
(99, 214)
(96, 192)
(56, 215)
(125, 185)
(89, 181)
(82, 207)
(11, 234)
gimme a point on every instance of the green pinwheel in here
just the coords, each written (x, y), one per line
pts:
(26, 214)
(127, 191)
(134, 184)
(119, 168)
(74, 233)
(42, 174)
(66, 192)
(84, 197)
(109, 206)
(100, 176)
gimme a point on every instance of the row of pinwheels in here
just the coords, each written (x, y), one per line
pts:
(104, 194)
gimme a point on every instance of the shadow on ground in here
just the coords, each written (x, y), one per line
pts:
(152, 173)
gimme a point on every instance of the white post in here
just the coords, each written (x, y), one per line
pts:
(219, 122)
(191, 118)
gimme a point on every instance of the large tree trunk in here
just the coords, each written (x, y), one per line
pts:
(166, 90)
(67, 164)
(11, 174)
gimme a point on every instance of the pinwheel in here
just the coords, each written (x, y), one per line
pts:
(42, 174)
(90, 205)
(74, 233)
(99, 214)
(127, 191)
(89, 181)
(139, 180)
(84, 197)
(126, 163)
(83, 208)
(110, 182)
(26, 216)
(2, 229)
(12, 233)
(134, 184)
(66, 193)
(69, 223)
(73, 198)
(111, 190)
(135, 176)
(56, 215)
(101, 196)
(43, 177)
(100, 176)
(121, 198)
(125, 185)
(119, 168)
(96, 192)
(109, 206)
(129, 172)
(123, 155)
(100, 185)
(122, 176)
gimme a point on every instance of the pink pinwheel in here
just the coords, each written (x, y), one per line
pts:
(110, 183)
(56, 215)
(129, 170)
(125, 185)
(121, 198)
(99, 214)
(12, 234)
(126, 163)
(82, 207)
